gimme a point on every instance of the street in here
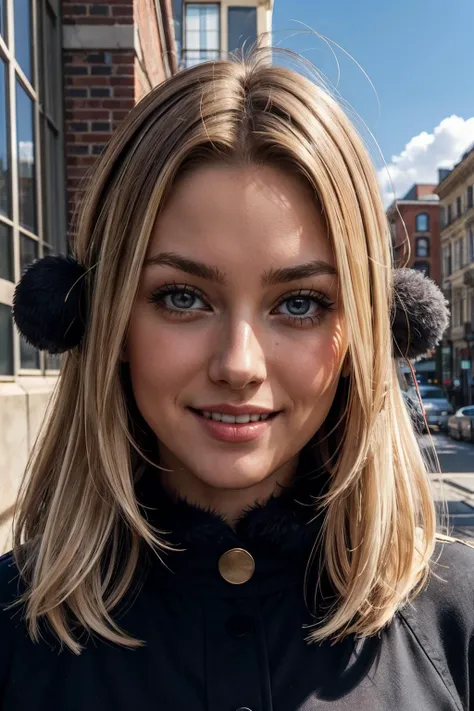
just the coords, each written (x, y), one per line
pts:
(456, 483)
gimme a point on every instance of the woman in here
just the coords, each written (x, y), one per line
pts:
(227, 507)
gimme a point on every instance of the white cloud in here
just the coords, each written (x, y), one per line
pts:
(424, 154)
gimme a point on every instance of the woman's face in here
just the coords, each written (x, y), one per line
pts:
(237, 311)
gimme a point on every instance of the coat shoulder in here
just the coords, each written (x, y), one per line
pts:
(10, 582)
(449, 589)
(10, 616)
(441, 617)
(451, 580)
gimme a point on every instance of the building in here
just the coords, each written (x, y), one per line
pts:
(456, 193)
(69, 73)
(207, 30)
(415, 222)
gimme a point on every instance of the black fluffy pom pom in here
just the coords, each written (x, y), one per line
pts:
(420, 314)
(44, 316)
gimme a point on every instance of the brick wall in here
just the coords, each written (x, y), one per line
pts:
(102, 83)
(99, 92)
(93, 13)
(408, 213)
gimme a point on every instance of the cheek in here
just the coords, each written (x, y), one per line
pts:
(160, 358)
(310, 369)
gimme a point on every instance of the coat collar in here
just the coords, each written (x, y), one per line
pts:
(279, 534)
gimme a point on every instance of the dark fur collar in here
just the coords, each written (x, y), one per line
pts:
(284, 523)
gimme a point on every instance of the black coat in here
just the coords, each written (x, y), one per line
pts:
(213, 645)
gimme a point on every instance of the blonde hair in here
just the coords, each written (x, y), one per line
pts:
(77, 511)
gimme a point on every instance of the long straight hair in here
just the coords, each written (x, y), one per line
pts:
(77, 507)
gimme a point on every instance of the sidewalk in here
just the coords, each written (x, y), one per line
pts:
(457, 489)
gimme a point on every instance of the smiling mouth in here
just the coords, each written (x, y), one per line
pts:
(244, 419)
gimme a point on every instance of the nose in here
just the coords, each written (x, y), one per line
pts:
(239, 358)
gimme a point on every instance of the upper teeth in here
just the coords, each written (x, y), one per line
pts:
(240, 419)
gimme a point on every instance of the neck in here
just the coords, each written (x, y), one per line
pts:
(229, 503)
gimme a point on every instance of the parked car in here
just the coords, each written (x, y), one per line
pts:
(461, 424)
(416, 413)
(436, 405)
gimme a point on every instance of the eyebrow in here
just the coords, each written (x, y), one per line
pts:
(271, 277)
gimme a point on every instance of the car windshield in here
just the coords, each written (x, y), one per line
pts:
(431, 392)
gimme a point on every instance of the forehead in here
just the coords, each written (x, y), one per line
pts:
(243, 216)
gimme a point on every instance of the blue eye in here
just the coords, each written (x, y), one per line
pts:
(176, 299)
(304, 307)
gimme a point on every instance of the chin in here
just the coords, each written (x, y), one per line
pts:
(244, 480)
(236, 475)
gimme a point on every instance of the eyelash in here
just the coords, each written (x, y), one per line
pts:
(157, 298)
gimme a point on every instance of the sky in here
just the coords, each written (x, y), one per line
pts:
(419, 57)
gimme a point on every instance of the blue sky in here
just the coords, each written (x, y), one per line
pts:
(420, 57)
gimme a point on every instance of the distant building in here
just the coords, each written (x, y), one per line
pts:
(415, 219)
(456, 193)
(415, 223)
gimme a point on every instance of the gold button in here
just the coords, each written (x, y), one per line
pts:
(236, 566)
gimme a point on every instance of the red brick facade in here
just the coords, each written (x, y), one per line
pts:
(102, 84)
(408, 211)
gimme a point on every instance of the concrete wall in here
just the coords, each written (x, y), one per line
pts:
(22, 407)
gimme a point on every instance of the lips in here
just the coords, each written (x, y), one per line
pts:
(241, 419)
(233, 431)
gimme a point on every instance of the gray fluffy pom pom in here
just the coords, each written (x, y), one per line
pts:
(420, 314)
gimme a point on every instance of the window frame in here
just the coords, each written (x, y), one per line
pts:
(14, 74)
(239, 8)
(470, 197)
(418, 217)
(185, 50)
(417, 247)
(427, 265)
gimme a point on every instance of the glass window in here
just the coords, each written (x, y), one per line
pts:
(6, 340)
(422, 267)
(242, 27)
(41, 28)
(29, 356)
(6, 253)
(432, 392)
(3, 18)
(422, 222)
(53, 361)
(28, 251)
(470, 196)
(22, 23)
(54, 223)
(202, 41)
(458, 206)
(177, 15)
(450, 214)
(422, 247)
(447, 261)
(51, 74)
(5, 203)
(26, 159)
